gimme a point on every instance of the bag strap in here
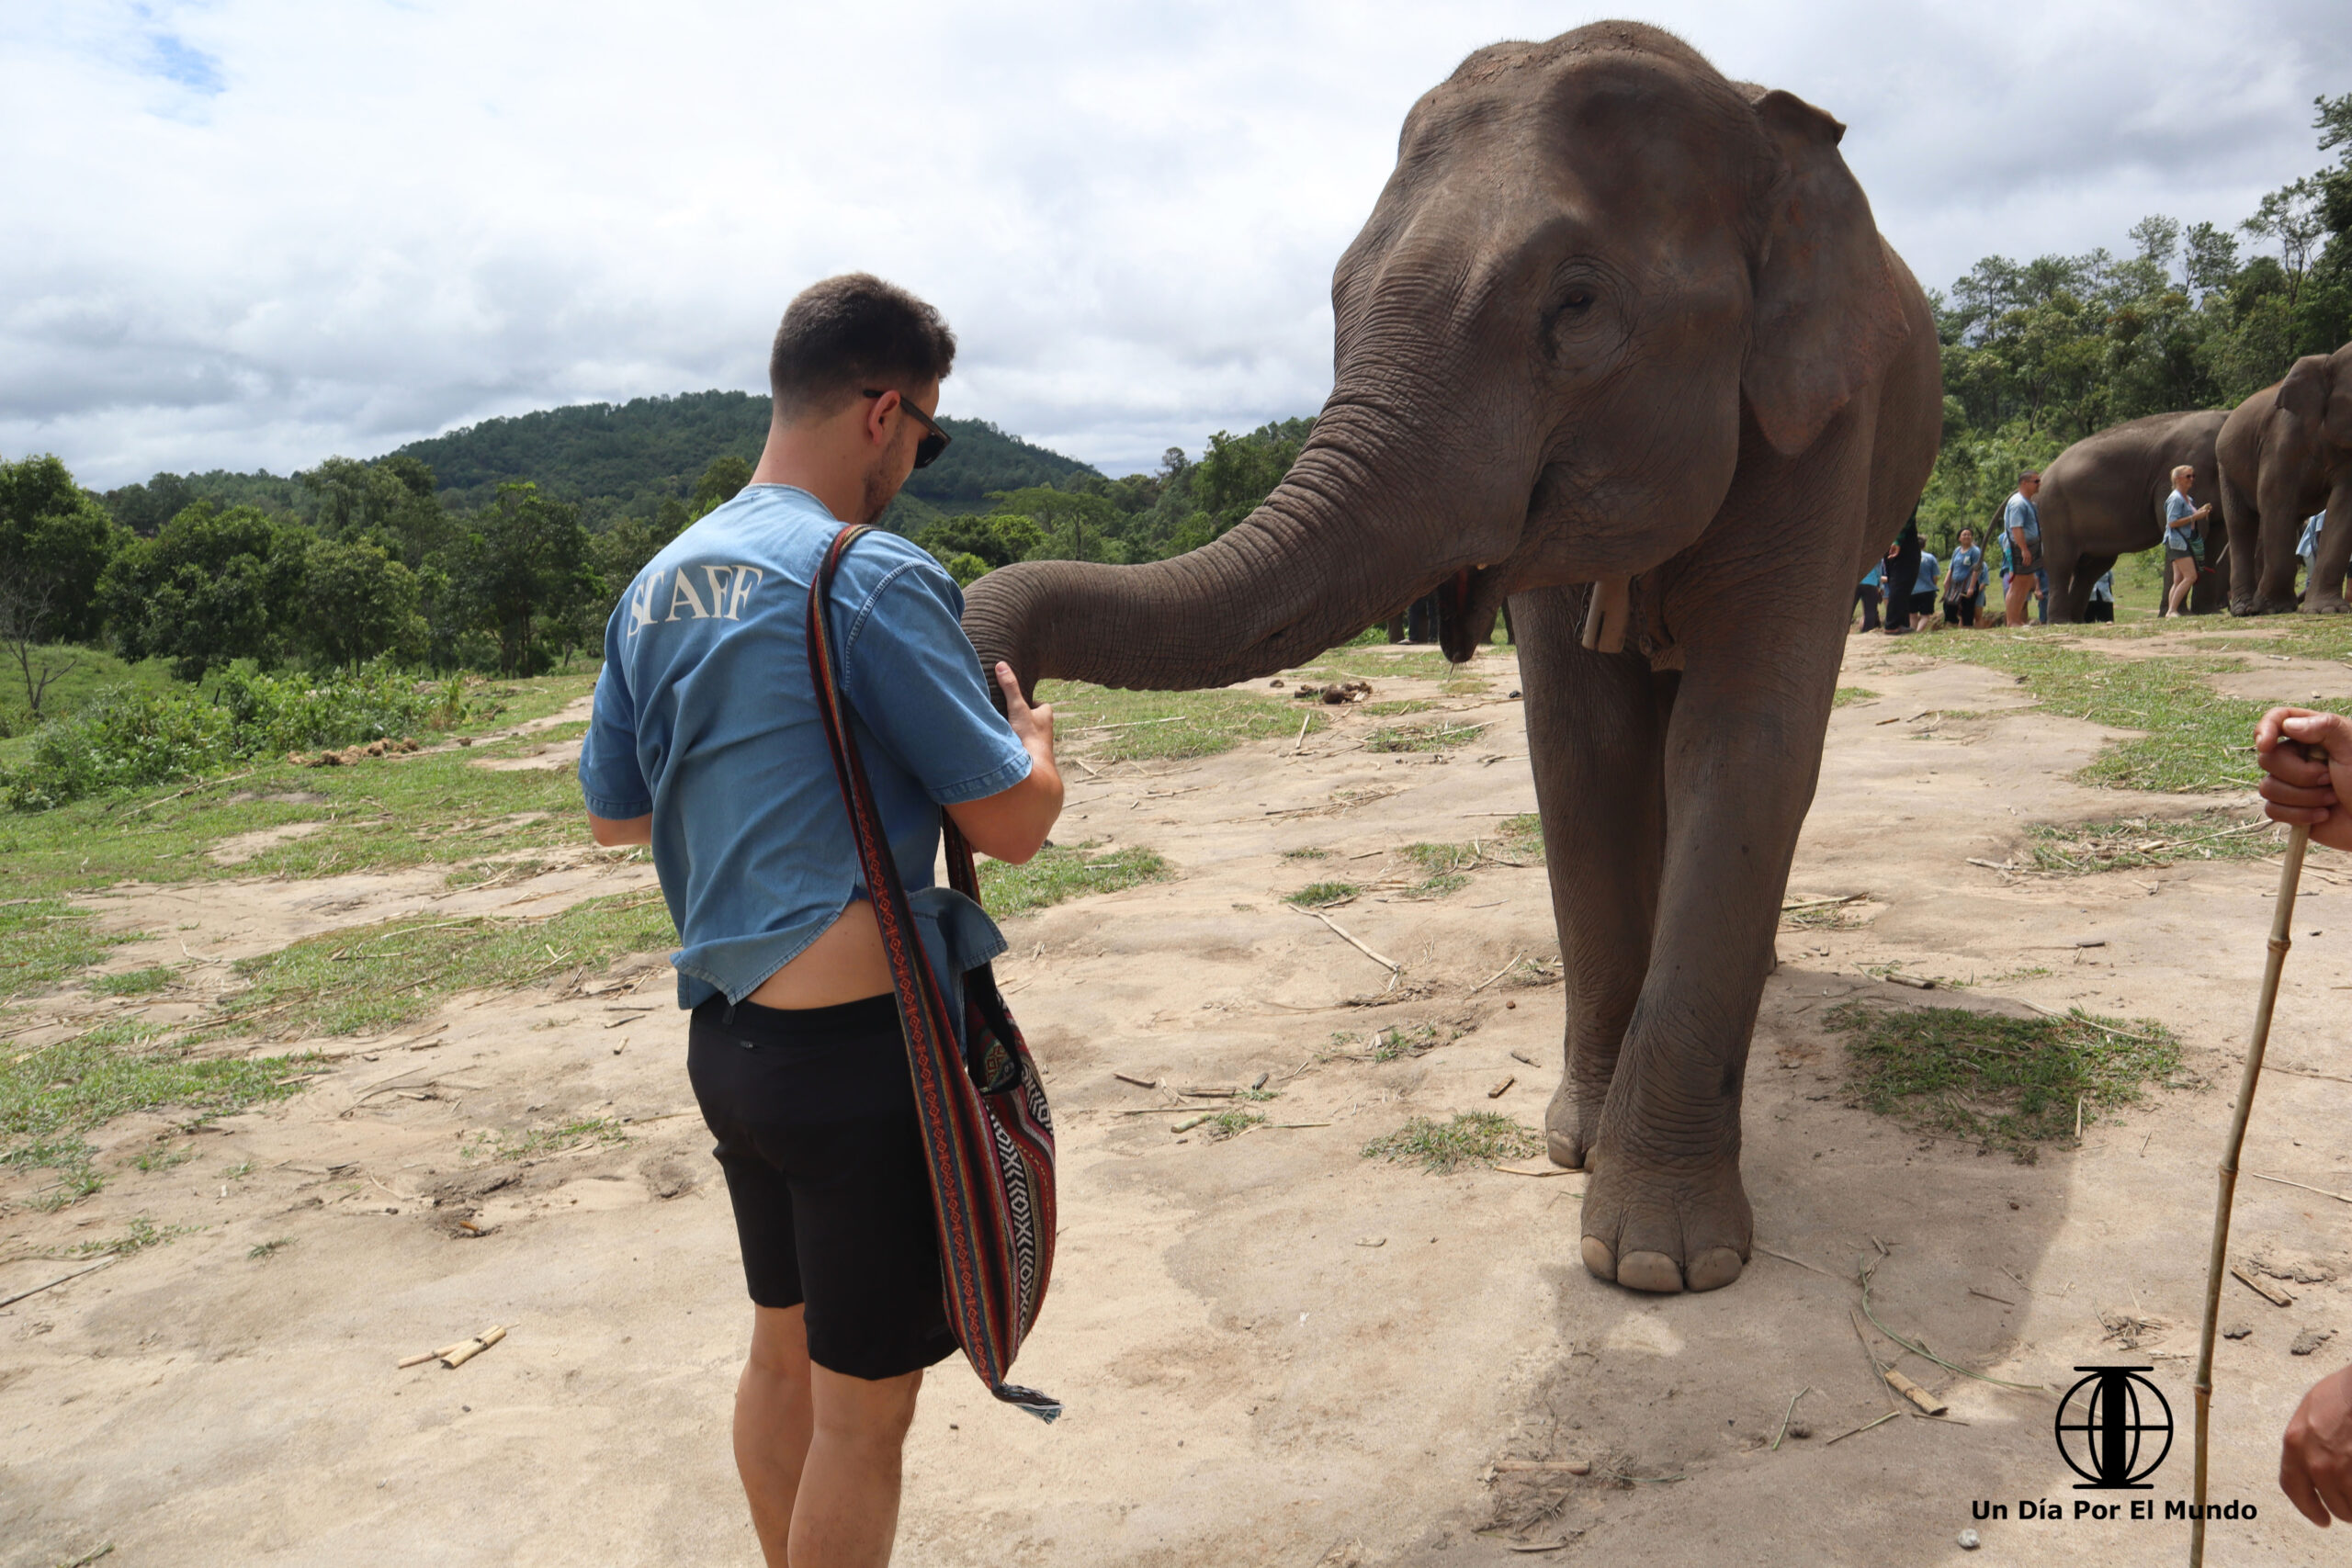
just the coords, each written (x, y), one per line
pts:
(954, 1123)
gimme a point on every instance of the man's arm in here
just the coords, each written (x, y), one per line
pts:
(613, 835)
(2307, 783)
(1011, 825)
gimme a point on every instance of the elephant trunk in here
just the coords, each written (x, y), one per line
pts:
(1354, 532)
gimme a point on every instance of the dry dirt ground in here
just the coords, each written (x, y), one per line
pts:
(1272, 1350)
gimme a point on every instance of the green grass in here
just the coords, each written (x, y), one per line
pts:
(1471, 1137)
(1064, 872)
(92, 672)
(44, 940)
(2008, 1083)
(50, 1095)
(1400, 1041)
(1307, 854)
(143, 1235)
(536, 1142)
(1435, 736)
(2129, 842)
(1368, 662)
(1398, 708)
(267, 1248)
(1230, 1125)
(376, 977)
(424, 810)
(1112, 726)
(1846, 694)
(134, 982)
(2196, 740)
(165, 1159)
(1317, 895)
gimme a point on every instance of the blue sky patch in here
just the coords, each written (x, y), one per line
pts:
(176, 60)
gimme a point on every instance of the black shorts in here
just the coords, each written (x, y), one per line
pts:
(2172, 555)
(2099, 610)
(815, 1116)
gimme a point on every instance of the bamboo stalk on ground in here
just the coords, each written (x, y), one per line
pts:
(2291, 871)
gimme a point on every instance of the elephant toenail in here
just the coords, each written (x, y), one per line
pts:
(1714, 1269)
(1652, 1272)
(1598, 1258)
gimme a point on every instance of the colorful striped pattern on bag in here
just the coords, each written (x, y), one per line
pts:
(988, 1135)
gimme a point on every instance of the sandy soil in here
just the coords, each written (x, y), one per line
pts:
(1272, 1350)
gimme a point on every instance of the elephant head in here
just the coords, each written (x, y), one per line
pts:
(1599, 273)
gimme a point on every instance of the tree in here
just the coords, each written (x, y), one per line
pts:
(55, 540)
(210, 587)
(390, 502)
(995, 540)
(522, 567)
(726, 475)
(358, 603)
(2291, 215)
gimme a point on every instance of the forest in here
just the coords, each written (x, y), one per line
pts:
(502, 546)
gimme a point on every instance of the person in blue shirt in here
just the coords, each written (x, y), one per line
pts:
(2101, 607)
(2183, 522)
(706, 743)
(2021, 529)
(1866, 595)
(1963, 581)
(1923, 592)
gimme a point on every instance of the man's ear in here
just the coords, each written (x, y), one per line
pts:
(1828, 319)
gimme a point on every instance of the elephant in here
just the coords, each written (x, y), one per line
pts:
(2285, 453)
(2103, 497)
(1620, 346)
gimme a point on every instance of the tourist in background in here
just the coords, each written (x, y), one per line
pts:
(1900, 572)
(2183, 522)
(1923, 589)
(2021, 531)
(1866, 595)
(1964, 581)
(2102, 605)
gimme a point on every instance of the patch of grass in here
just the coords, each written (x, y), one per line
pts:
(1467, 686)
(1436, 736)
(376, 977)
(44, 940)
(423, 809)
(1847, 694)
(1366, 663)
(144, 1233)
(1320, 895)
(2194, 741)
(268, 1248)
(52, 1094)
(134, 982)
(1400, 1041)
(1307, 854)
(238, 1171)
(1399, 706)
(1229, 1124)
(539, 1140)
(2124, 842)
(165, 1159)
(1471, 1137)
(2008, 1083)
(1064, 872)
(1116, 726)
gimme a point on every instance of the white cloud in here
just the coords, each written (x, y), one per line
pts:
(253, 232)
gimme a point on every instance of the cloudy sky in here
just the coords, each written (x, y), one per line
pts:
(250, 233)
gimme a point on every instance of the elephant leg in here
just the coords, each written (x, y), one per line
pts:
(1594, 729)
(2324, 593)
(2243, 522)
(2276, 489)
(2067, 596)
(1665, 1210)
(2088, 569)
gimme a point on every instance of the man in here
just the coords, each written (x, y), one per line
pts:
(2308, 759)
(1965, 582)
(2021, 525)
(706, 743)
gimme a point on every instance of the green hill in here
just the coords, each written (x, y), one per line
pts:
(626, 458)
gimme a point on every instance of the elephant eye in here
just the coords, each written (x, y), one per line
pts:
(1577, 300)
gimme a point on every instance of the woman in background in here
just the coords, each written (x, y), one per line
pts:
(1963, 581)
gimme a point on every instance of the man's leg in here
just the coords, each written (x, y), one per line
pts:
(2021, 590)
(847, 1514)
(773, 1418)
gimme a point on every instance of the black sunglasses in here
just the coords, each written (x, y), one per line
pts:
(928, 449)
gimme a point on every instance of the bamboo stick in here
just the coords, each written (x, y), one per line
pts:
(2291, 871)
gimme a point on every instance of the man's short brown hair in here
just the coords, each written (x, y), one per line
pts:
(850, 332)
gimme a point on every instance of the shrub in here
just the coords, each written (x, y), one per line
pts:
(128, 740)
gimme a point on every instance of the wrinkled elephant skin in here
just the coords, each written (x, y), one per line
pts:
(1614, 320)
(2103, 497)
(2285, 453)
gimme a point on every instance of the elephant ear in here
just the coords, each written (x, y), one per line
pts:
(1828, 319)
(2337, 426)
(2304, 393)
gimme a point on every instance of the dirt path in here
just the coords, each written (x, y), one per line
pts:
(1272, 1350)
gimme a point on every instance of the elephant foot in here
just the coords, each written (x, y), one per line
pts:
(1664, 1229)
(2275, 607)
(1572, 1124)
(2326, 604)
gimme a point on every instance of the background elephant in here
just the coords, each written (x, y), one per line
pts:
(2103, 497)
(1620, 343)
(2285, 453)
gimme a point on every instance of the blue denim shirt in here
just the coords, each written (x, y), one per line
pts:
(705, 717)
(2178, 509)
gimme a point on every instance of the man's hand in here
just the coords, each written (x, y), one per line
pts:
(1011, 825)
(2306, 757)
(2315, 1461)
